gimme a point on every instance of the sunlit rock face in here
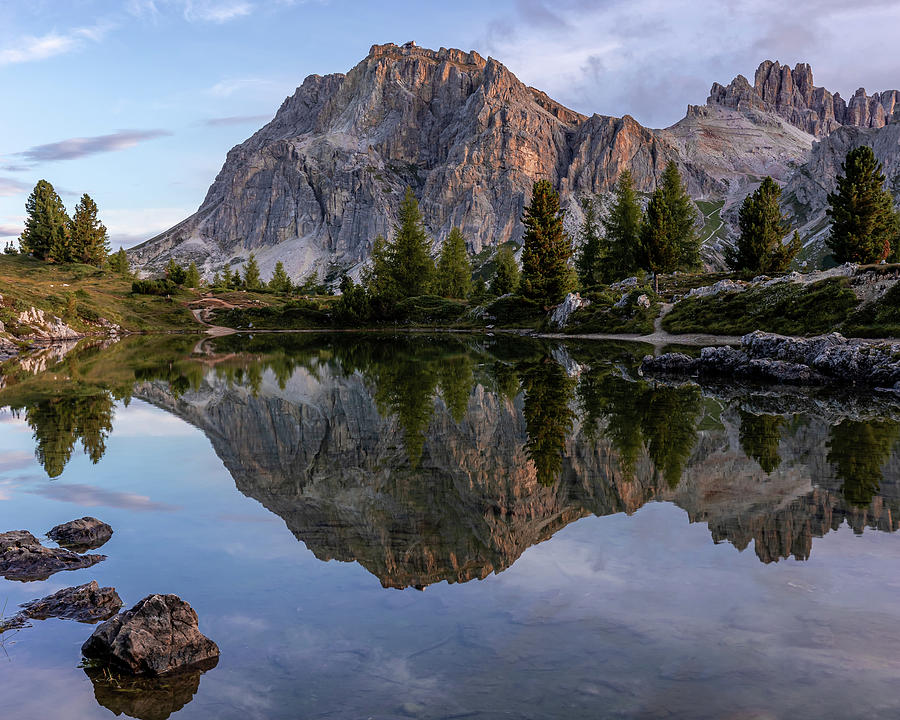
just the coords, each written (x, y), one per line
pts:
(324, 178)
(462, 499)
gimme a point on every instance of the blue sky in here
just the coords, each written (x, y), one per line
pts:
(137, 101)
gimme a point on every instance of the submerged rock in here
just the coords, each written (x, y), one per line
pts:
(157, 636)
(87, 603)
(22, 557)
(87, 533)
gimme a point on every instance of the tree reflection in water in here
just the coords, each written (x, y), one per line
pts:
(858, 451)
(760, 436)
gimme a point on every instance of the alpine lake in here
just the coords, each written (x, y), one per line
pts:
(430, 526)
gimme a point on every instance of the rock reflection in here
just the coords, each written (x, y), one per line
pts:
(427, 458)
(146, 698)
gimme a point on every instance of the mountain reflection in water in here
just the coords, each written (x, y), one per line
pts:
(429, 458)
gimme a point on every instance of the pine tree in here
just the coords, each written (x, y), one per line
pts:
(863, 220)
(311, 284)
(175, 272)
(280, 281)
(192, 276)
(46, 234)
(661, 252)
(682, 218)
(506, 276)
(379, 278)
(118, 262)
(216, 280)
(411, 266)
(454, 269)
(251, 274)
(621, 248)
(546, 275)
(762, 224)
(89, 239)
(589, 260)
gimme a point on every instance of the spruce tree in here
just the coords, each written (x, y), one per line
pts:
(192, 276)
(682, 218)
(89, 239)
(546, 276)
(251, 274)
(46, 234)
(621, 248)
(411, 266)
(454, 269)
(175, 272)
(506, 276)
(589, 260)
(311, 284)
(863, 220)
(762, 225)
(280, 281)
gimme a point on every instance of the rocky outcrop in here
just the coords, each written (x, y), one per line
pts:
(769, 357)
(45, 327)
(792, 95)
(159, 635)
(87, 533)
(315, 186)
(22, 557)
(87, 603)
(562, 312)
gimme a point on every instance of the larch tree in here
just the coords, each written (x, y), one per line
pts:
(622, 232)
(588, 261)
(251, 274)
(89, 241)
(454, 269)
(118, 262)
(46, 234)
(762, 225)
(659, 246)
(863, 219)
(280, 281)
(506, 275)
(546, 275)
(409, 253)
(192, 276)
(682, 218)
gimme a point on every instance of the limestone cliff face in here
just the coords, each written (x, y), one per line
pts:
(792, 95)
(319, 454)
(315, 186)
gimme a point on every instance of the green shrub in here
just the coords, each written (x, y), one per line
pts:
(880, 318)
(152, 287)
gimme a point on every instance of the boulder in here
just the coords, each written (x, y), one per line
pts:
(563, 311)
(87, 603)
(87, 533)
(157, 636)
(22, 557)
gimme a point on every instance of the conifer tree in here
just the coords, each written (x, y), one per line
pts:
(589, 260)
(621, 249)
(506, 275)
(280, 281)
(762, 225)
(46, 234)
(661, 252)
(216, 280)
(311, 284)
(251, 274)
(175, 272)
(863, 220)
(192, 276)
(411, 266)
(89, 240)
(682, 218)
(546, 275)
(454, 269)
(118, 262)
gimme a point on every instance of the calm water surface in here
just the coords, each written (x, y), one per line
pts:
(458, 527)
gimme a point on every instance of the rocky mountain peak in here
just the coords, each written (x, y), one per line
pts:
(792, 94)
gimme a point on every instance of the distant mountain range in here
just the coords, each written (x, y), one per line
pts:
(317, 184)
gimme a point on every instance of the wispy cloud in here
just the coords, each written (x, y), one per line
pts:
(236, 120)
(213, 11)
(92, 496)
(10, 186)
(33, 48)
(10, 231)
(79, 147)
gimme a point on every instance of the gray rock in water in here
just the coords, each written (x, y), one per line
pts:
(677, 363)
(88, 603)
(22, 557)
(87, 533)
(157, 636)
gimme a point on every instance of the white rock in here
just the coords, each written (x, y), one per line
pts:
(563, 311)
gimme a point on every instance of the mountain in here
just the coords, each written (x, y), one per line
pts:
(317, 184)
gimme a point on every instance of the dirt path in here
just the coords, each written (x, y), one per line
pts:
(202, 309)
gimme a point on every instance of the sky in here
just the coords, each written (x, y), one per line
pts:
(136, 102)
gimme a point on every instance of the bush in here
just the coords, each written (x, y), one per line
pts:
(429, 309)
(602, 316)
(152, 287)
(516, 311)
(879, 318)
